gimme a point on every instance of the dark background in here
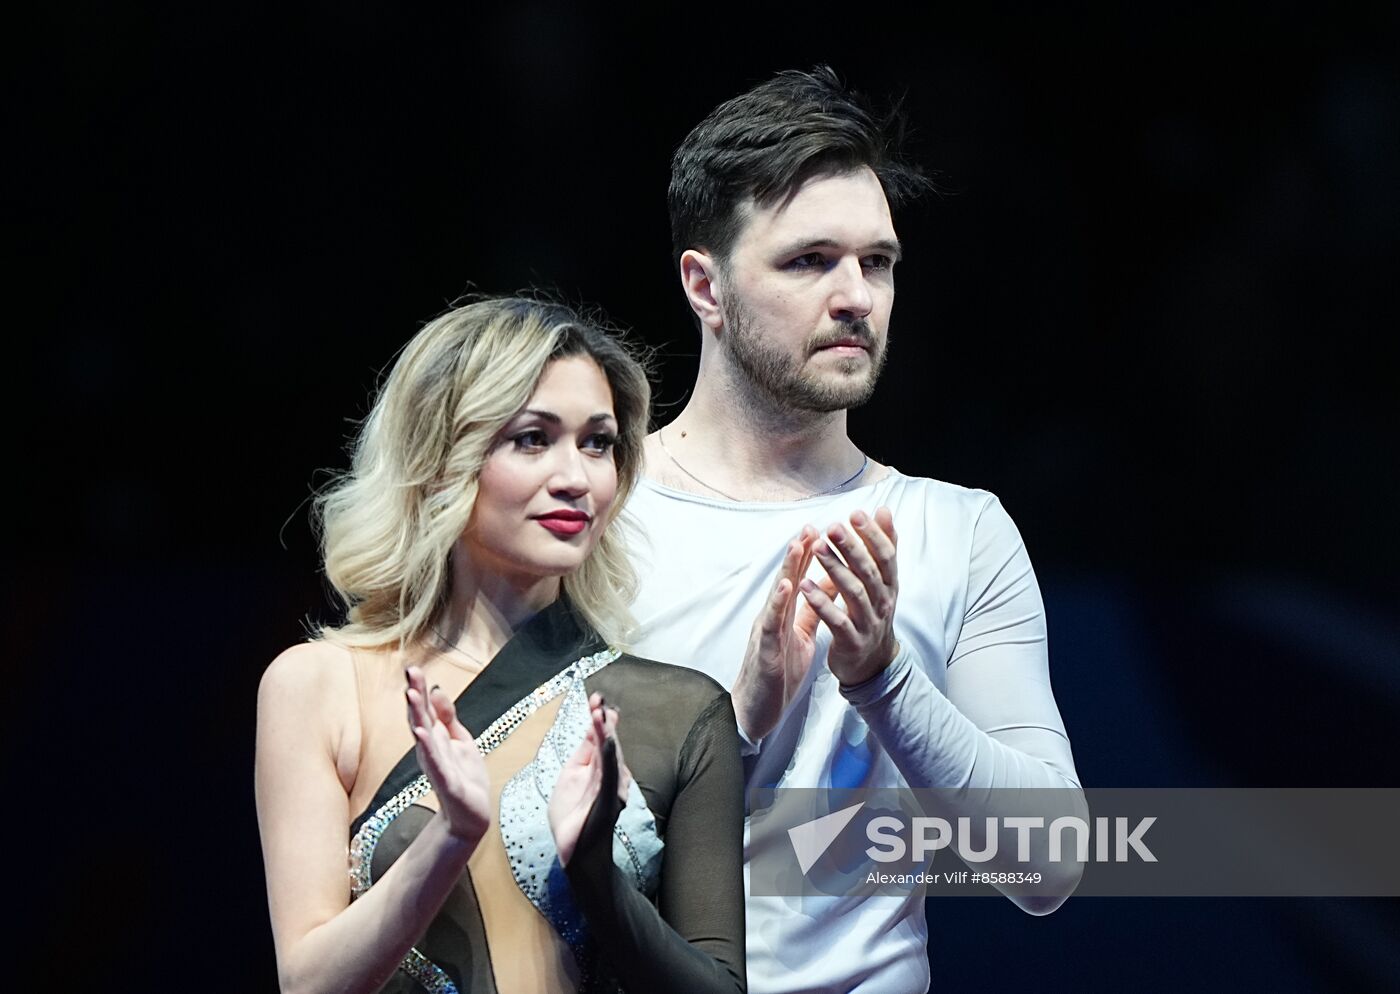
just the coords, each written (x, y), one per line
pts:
(1148, 314)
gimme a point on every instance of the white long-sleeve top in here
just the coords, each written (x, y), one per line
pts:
(967, 702)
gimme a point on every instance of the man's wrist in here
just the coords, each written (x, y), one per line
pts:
(750, 718)
(748, 744)
(865, 675)
(880, 683)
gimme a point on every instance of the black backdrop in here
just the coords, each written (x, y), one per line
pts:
(1147, 314)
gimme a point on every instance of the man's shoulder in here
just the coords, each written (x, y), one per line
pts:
(934, 497)
(910, 498)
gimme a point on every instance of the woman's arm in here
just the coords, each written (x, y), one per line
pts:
(696, 941)
(307, 709)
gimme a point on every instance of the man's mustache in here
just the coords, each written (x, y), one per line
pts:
(860, 331)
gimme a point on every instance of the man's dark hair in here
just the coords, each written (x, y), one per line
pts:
(764, 144)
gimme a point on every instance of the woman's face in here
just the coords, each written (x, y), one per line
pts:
(550, 479)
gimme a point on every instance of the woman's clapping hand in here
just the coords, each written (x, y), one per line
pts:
(448, 755)
(595, 771)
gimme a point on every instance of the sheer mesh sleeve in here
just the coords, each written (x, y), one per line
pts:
(695, 942)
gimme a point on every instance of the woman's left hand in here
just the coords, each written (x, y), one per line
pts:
(584, 777)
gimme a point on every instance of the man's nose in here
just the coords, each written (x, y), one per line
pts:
(850, 295)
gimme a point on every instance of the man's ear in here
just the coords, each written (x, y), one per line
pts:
(698, 274)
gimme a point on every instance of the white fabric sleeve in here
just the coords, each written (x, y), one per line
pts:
(747, 746)
(997, 725)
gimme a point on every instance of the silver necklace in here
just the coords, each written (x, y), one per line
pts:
(864, 463)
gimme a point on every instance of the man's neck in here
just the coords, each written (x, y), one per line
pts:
(730, 441)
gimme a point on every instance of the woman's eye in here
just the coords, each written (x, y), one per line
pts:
(531, 440)
(600, 442)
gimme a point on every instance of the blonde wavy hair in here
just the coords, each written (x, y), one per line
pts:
(388, 525)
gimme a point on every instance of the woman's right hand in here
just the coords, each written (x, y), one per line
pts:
(448, 755)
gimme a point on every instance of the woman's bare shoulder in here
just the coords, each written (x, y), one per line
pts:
(309, 670)
(309, 695)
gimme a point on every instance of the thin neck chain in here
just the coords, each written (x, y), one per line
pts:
(451, 646)
(864, 464)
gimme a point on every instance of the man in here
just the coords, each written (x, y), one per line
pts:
(916, 654)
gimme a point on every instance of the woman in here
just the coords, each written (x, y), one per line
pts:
(498, 843)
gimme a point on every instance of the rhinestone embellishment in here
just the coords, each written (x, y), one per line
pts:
(364, 842)
(529, 842)
(428, 974)
(508, 722)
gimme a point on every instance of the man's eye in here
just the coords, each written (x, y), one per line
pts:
(600, 443)
(812, 260)
(877, 262)
(530, 441)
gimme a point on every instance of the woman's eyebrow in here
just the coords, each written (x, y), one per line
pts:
(555, 419)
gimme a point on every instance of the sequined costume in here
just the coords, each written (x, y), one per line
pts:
(666, 909)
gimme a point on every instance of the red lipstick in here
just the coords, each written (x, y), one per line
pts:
(564, 522)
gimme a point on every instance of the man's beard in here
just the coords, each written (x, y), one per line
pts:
(788, 380)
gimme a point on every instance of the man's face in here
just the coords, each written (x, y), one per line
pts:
(808, 288)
